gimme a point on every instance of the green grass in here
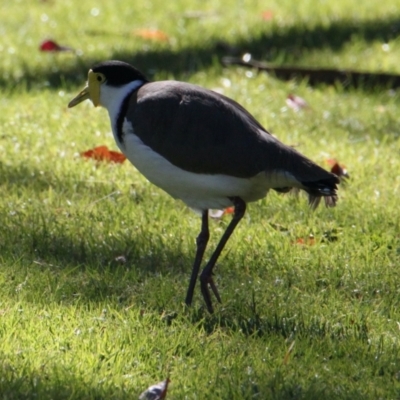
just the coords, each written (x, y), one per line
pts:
(77, 323)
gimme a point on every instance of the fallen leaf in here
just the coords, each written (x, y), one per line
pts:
(296, 103)
(307, 241)
(267, 15)
(152, 34)
(52, 46)
(156, 392)
(217, 214)
(102, 153)
(120, 259)
(338, 169)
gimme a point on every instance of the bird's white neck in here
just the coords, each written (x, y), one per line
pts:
(111, 98)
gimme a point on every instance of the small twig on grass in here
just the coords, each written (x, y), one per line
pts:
(288, 352)
(103, 198)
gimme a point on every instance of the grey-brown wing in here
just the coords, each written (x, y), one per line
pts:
(201, 131)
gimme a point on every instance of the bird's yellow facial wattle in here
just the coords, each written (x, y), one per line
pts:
(91, 90)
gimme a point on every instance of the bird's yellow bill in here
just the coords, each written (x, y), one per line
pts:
(91, 90)
(83, 95)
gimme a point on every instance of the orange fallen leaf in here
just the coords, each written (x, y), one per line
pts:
(338, 169)
(267, 15)
(102, 153)
(307, 241)
(152, 34)
(156, 392)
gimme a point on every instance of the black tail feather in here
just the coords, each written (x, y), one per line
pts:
(330, 201)
(325, 188)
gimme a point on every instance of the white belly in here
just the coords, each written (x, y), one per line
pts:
(198, 191)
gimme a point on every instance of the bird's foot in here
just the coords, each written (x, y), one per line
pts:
(206, 280)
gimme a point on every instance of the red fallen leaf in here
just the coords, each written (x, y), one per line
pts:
(267, 15)
(52, 46)
(102, 153)
(156, 392)
(152, 34)
(229, 210)
(338, 169)
(296, 102)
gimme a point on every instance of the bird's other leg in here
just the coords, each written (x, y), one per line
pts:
(201, 243)
(206, 275)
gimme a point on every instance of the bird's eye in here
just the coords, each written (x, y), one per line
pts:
(100, 78)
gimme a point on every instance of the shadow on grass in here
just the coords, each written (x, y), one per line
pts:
(75, 390)
(245, 319)
(49, 385)
(279, 45)
(19, 384)
(66, 264)
(53, 236)
(25, 177)
(53, 383)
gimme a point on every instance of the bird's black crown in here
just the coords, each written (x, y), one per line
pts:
(119, 73)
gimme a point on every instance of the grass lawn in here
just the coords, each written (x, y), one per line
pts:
(95, 261)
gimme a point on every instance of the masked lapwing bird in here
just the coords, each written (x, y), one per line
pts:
(201, 147)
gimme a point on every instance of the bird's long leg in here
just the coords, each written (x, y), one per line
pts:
(206, 275)
(201, 243)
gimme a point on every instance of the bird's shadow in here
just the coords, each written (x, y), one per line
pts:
(57, 242)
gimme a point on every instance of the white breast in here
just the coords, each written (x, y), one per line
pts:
(111, 98)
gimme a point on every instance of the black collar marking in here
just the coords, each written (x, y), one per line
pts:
(122, 114)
